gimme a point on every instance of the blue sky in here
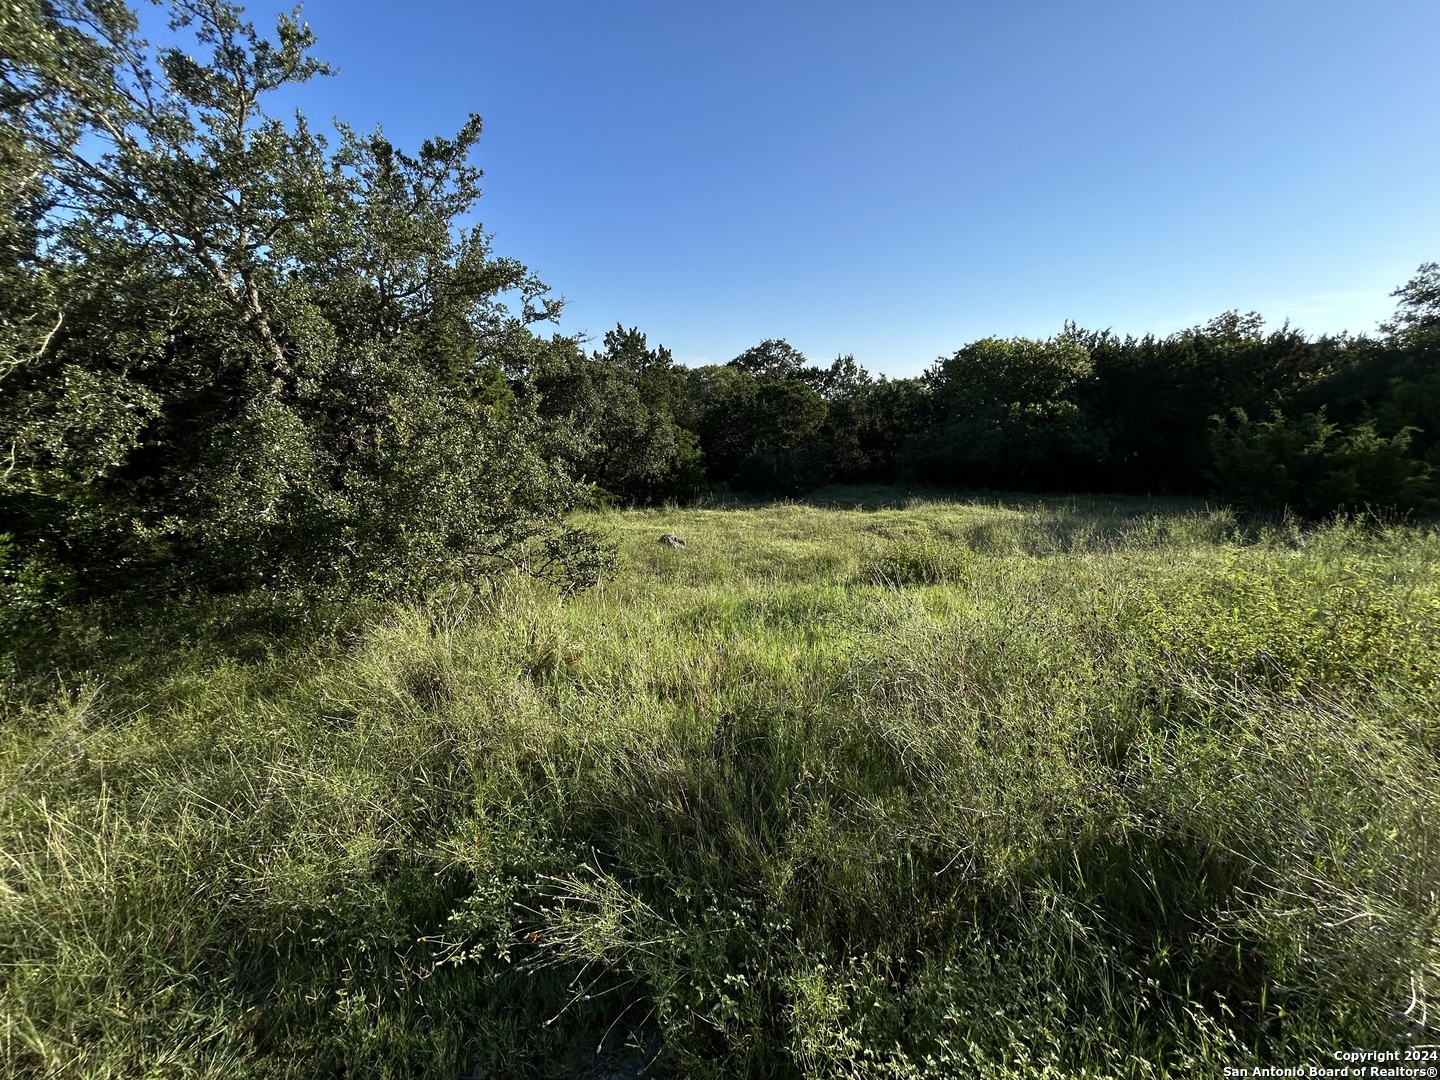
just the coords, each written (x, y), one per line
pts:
(896, 179)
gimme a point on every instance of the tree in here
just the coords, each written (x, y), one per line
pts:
(760, 419)
(1012, 412)
(844, 378)
(867, 428)
(1391, 382)
(271, 361)
(1155, 397)
(611, 416)
(1411, 390)
(1419, 307)
(771, 359)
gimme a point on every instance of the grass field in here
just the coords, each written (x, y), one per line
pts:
(863, 787)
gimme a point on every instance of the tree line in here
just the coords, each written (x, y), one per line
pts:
(236, 352)
(1265, 420)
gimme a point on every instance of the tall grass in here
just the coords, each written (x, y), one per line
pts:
(1045, 789)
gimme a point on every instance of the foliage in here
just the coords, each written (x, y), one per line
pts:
(768, 422)
(1155, 396)
(868, 426)
(1009, 410)
(1419, 308)
(1081, 411)
(759, 420)
(612, 415)
(262, 348)
(771, 359)
(1307, 466)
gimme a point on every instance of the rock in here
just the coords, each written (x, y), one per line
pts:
(672, 541)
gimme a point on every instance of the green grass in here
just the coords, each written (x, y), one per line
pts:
(861, 787)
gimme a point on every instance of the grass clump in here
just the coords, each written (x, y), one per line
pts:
(1070, 789)
(921, 559)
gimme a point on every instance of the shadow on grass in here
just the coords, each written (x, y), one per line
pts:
(129, 642)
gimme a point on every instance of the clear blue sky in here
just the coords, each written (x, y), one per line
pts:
(896, 179)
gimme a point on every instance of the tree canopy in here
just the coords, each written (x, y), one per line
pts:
(240, 352)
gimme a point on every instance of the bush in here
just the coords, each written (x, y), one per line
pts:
(1307, 465)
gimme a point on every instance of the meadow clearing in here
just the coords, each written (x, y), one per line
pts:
(870, 785)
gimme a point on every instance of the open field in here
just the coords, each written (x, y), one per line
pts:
(1039, 788)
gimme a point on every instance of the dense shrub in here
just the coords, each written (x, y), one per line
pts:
(1309, 466)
